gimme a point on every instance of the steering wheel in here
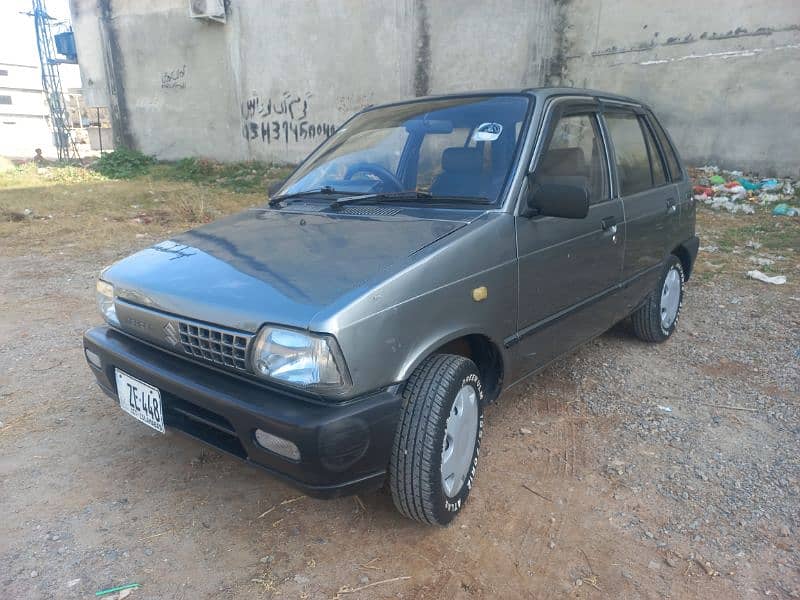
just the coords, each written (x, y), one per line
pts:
(386, 177)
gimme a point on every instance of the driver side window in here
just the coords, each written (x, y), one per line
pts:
(575, 156)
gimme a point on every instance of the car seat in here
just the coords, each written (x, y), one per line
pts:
(462, 173)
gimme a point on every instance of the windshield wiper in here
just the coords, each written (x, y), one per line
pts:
(325, 189)
(410, 196)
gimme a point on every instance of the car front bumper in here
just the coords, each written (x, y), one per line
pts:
(344, 448)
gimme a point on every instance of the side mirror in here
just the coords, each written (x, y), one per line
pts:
(567, 198)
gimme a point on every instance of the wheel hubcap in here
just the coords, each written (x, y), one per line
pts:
(670, 298)
(459, 440)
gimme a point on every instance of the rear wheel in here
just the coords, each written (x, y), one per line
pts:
(436, 447)
(657, 318)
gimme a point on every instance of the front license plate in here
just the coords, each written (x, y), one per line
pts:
(140, 400)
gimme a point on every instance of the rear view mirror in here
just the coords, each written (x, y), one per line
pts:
(567, 199)
(429, 126)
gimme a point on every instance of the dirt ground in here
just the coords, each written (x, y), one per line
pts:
(623, 471)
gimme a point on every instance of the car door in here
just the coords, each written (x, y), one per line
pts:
(569, 269)
(687, 205)
(649, 200)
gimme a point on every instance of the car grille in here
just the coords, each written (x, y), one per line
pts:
(202, 424)
(213, 344)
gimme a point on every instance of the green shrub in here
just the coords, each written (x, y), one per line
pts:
(123, 164)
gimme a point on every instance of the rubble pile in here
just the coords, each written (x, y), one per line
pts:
(735, 192)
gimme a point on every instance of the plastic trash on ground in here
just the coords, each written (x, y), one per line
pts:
(769, 185)
(767, 198)
(748, 185)
(722, 203)
(761, 261)
(758, 275)
(737, 192)
(784, 210)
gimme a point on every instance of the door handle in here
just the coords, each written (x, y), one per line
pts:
(609, 224)
(672, 208)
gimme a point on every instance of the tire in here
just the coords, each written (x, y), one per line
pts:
(653, 321)
(416, 479)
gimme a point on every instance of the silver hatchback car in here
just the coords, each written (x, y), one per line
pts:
(427, 256)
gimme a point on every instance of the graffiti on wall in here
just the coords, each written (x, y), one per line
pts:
(176, 78)
(282, 119)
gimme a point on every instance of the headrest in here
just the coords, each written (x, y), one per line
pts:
(563, 161)
(462, 159)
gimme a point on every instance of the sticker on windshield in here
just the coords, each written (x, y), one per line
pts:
(487, 132)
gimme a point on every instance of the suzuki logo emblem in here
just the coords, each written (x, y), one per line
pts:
(171, 334)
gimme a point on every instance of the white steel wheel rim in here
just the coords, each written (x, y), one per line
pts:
(458, 445)
(670, 298)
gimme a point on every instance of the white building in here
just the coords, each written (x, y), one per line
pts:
(24, 114)
(24, 118)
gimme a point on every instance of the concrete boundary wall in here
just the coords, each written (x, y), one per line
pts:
(724, 75)
(279, 76)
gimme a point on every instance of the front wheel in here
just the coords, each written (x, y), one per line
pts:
(657, 318)
(436, 447)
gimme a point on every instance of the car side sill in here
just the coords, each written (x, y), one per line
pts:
(550, 361)
(562, 314)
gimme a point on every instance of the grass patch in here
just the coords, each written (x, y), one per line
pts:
(122, 198)
(239, 177)
(773, 233)
(101, 215)
(740, 238)
(243, 177)
(30, 175)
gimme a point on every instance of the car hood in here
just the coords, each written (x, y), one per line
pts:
(271, 266)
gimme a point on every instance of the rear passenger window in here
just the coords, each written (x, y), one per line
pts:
(669, 151)
(656, 163)
(575, 156)
(633, 165)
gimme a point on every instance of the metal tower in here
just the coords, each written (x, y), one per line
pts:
(51, 83)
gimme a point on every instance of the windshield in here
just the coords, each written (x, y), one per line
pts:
(452, 148)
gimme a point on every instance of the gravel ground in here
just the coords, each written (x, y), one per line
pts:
(625, 470)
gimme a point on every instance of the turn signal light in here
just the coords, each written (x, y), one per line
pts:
(278, 445)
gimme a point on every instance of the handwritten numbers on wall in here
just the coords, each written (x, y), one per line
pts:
(282, 119)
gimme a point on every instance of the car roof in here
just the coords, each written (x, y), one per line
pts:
(541, 93)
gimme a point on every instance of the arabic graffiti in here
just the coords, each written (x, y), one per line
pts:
(283, 119)
(176, 78)
(291, 105)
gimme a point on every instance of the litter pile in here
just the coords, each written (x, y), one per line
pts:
(735, 192)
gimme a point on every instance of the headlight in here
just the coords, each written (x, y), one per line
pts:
(302, 359)
(105, 302)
